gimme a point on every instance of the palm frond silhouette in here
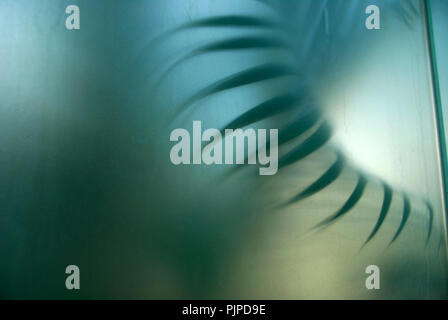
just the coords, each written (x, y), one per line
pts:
(303, 128)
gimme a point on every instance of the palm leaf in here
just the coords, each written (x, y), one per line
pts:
(298, 101)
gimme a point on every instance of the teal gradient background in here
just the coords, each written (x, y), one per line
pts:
(86, 178)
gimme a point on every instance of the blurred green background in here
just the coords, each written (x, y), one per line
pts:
(85, 175)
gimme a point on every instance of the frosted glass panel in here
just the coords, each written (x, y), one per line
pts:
(87, 177)
(440, 25)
